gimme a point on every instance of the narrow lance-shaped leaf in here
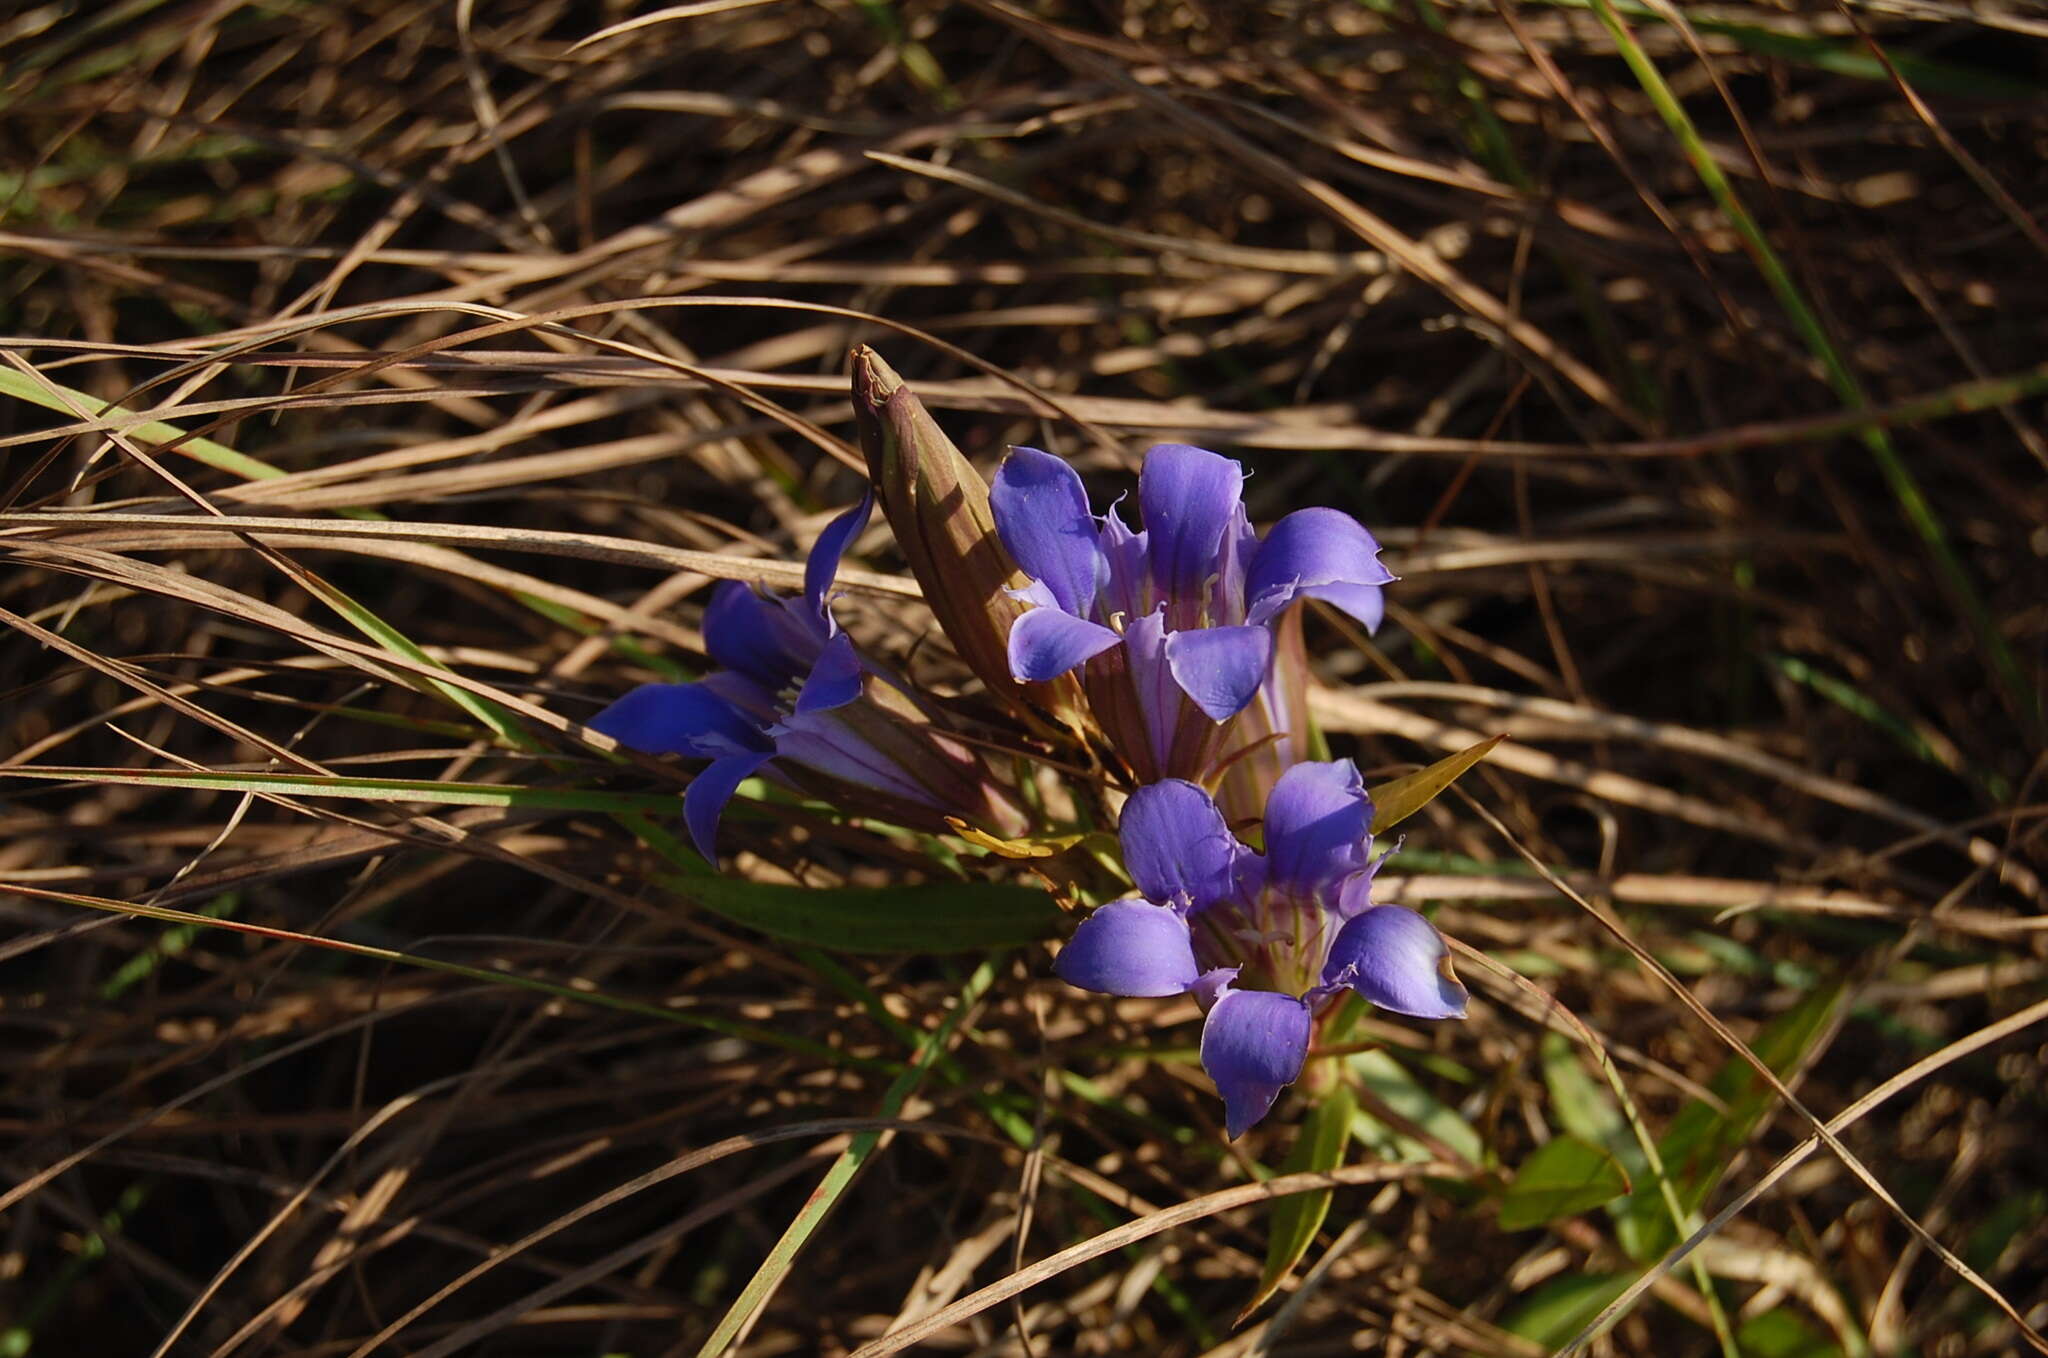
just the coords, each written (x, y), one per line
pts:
(1395, 802)
(1325, 1136)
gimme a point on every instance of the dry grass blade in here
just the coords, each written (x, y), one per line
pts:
(386, 388)
(1165, 1219)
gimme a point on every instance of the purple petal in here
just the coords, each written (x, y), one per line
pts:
(1187, 496)
(1396, 959)
(678, 719)
(1130, 948)
(1312, 548)
(835, 680)
(1233, 561)
(1253, 1045)
(1176, 844)
(1367, 603)
(1220, 668)
(1128, 578)
(756, 636)
(832, 544)
(1047, 642)
(1041, 514)
(705, 798)
(1354, 893)
(1318, 824)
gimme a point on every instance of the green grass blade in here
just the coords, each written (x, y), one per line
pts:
(1905, 488)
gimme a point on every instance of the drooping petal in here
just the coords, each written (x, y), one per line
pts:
(678, 719)
(835, 680)
(1396, 959)
(1318, 824)
(1047, 642)
(1130, 948)
(705, 798)
(826, 552)
(1220, 668)
(1176, 845)
(757, 636)
(1253, 1044)
(1041, 512)
(1308, 550)
(1187, 496)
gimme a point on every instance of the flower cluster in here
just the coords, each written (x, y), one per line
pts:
(1260, 939)
(1171, 628)
(1166, 658)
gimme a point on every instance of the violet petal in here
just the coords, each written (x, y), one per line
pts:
(1311, 547)
(1176, 845)
(678, 719)
(826, 552)
(1047, 642)
(835, 680)
(1187, 496)
(1253, 1044)
(1130, 948)
(705, 798)
(756, 636)
(1220, 668)
(1318, 824)
(1396, 959)
(1041, 514)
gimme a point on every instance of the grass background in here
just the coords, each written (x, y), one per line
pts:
(387, 381)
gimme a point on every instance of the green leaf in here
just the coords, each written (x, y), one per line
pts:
(1395, 802)
(942, 918)
(1701, 1140)
(1564, 1177)
(1389, 1081)
(1325, 1136)
(1558, 1309)
(1784, 1334)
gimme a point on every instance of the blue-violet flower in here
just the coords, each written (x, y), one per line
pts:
(796, 697)
(1171, 627)
(1261, 940)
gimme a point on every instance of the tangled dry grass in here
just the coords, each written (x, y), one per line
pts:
(387, 380)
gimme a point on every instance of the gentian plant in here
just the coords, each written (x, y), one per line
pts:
(1154, 676)
(1264, 941)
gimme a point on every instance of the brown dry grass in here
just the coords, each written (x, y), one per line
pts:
(534, 336)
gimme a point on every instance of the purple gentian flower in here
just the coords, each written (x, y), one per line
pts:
(1261, 940)
(1171, 627)
(794, 690)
